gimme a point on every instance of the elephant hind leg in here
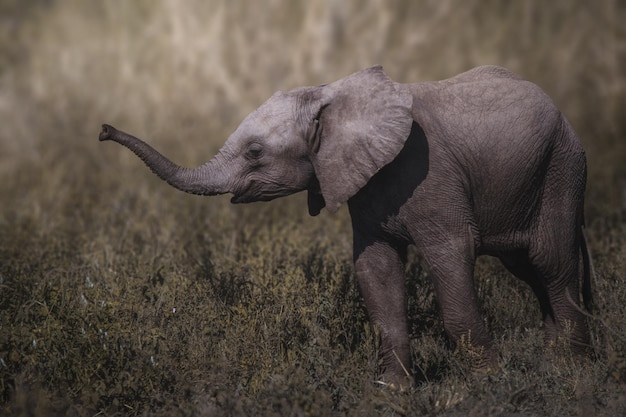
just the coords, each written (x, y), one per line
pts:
(519, 265)
(560, 274)
(553, 276)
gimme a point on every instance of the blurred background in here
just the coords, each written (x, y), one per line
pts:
(119, 293)
(184, 74)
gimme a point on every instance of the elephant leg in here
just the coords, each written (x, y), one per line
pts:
(557, 270)
(519, 265)
(380, 273)
(452, 270)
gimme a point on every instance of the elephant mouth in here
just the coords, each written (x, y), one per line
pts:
(246, 198)
(258, 191)
(241, 199)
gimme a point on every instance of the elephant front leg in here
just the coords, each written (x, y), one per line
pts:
(451, 267)
(380, 274)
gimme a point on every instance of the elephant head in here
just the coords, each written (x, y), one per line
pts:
(329, 140)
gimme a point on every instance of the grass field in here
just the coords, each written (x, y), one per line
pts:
(121, 296)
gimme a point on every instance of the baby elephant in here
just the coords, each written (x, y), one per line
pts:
(481, 163)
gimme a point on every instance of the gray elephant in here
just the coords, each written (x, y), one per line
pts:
(481, 163)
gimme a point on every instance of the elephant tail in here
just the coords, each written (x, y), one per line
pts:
(587, 271)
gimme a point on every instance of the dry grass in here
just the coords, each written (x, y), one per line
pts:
(122, 296)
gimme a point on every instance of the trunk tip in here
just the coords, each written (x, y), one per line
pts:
(107, 132)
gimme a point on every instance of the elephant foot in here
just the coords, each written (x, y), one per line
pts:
(398, 383)
(482, 360)
(565, 350)
(394, 368)
(488, 363)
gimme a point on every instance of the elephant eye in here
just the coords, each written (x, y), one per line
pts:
(255, 151)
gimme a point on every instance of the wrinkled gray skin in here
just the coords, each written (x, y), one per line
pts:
(482, 163)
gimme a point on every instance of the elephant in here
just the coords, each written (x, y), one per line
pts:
(482, 163)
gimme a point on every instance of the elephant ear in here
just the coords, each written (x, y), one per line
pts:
(364, 121)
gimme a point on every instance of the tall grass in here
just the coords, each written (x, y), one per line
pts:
(120, 295)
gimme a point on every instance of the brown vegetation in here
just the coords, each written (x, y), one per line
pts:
(122, 296)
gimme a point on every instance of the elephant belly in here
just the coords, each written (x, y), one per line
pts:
(505, 220)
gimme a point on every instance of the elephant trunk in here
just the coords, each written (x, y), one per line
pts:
(207, 179)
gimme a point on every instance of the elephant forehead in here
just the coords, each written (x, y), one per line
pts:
(273, 124)
(278, 108)
(276, 114)
(275, 107)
